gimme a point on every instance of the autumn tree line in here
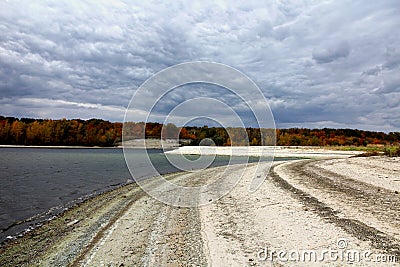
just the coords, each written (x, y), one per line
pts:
(14, 131)
(96, 132)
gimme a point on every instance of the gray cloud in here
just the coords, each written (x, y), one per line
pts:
(326, 55)
(392, 56)
(320, 63)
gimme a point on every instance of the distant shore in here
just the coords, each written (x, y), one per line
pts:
(266, 151)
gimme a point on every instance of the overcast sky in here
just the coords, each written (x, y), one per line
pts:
(319, 63)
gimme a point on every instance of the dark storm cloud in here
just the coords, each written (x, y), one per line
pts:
(320, 63)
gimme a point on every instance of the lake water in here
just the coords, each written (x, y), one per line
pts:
(37, 183)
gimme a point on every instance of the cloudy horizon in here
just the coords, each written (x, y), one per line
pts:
(319, 64)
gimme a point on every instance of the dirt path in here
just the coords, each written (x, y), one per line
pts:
(303, 209)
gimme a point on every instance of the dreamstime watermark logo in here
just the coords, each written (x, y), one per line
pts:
(177, 97)
(340, 253)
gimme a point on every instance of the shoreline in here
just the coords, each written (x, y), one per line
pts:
(32, 223)
(65, 221)
(126, 226)
(284, 153)
(36, 220)
(290, 211)
(295, 192)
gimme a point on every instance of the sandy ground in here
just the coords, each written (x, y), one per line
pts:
(306, 213)
(279, 151)
(281, 217)
(378, 171)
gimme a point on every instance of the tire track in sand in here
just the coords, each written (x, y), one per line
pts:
(348, 203)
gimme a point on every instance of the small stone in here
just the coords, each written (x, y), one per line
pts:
(72, 223)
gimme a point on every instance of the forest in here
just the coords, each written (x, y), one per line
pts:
(97, 132)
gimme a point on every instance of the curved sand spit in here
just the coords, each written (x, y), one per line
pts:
(303, 207)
